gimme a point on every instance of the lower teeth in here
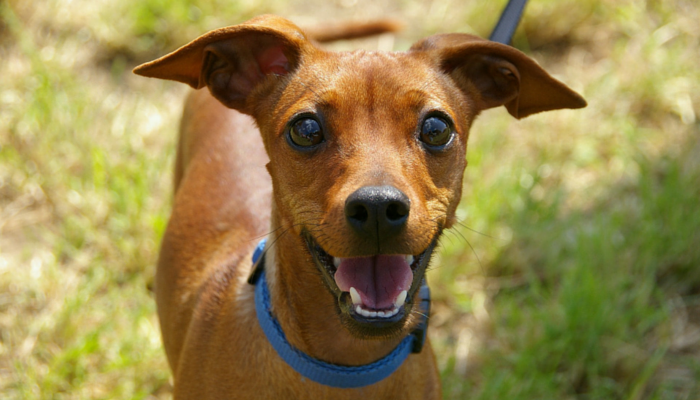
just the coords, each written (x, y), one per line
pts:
(375, 314)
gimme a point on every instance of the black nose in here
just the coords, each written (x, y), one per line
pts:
(377, 211)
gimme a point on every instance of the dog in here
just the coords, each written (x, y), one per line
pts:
(358, 173)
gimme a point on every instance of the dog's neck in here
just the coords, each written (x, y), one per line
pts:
(306, 309)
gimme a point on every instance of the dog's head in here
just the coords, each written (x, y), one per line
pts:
(367, 149)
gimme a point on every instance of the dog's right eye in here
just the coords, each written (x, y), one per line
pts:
(306, 132)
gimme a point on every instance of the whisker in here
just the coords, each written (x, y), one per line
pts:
(473, 230)
(420, 313)
(481, 267)
(447, 236)
(457, 232)
(265, 234)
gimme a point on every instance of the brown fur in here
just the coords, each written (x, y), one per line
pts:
(371, 105)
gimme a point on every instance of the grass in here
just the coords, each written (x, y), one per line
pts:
(575, 275)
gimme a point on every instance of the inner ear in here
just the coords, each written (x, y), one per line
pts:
(494, 74)
(497, 81)
(234, 68)
(273, 61)
(237, 61)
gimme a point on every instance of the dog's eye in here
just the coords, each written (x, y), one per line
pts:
(306, 132)
(435, 132)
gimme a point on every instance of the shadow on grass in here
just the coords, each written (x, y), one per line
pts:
(607, 305)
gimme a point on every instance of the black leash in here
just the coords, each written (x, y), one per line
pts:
(503, 32)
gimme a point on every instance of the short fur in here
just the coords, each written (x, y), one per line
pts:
(232, 188)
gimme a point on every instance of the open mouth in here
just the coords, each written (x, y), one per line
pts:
(376, 291)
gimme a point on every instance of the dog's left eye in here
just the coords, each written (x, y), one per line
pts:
(435, 132)
(306, 132)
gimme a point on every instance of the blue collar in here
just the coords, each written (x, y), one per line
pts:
(319, 371)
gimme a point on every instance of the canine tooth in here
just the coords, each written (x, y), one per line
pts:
(372, 314)
(336, 261)
(358, 310)
(400, 299)
(409, 260)
(355, 296)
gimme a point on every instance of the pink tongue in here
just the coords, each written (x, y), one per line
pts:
(378, 279)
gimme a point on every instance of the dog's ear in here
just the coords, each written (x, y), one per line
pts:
(233, 61)
(496, 74)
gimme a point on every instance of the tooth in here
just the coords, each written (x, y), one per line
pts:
(409, 260)
(400, 299)
(364, 312)
(372, 314)
(355, 296)
(336, 261)
(381, 314)
(358, 310)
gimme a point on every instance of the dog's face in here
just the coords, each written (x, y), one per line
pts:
(367, 166)
(367, 149)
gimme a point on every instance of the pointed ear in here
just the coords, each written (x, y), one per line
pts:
(495, 74)
(235, 60)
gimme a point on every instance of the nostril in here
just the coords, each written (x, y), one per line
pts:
(358, 212)
(396, 211)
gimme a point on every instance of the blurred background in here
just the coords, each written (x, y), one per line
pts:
(575, 272)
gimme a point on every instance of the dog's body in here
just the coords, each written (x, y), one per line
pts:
(366, 155)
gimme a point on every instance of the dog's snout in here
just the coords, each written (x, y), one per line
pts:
(377, 211)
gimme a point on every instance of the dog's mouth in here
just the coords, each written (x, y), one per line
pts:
(375, 292)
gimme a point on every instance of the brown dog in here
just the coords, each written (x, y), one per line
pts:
(366, 152)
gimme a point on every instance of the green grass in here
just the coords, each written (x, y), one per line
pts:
(575, 273)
